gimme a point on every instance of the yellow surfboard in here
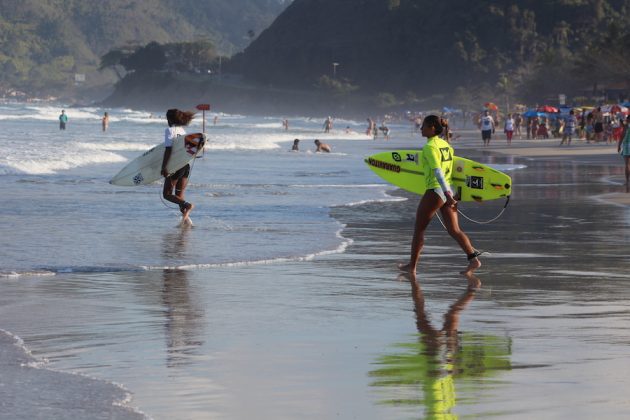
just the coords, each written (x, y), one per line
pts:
(472, 181)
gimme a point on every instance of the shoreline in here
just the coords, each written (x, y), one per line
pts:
(578, 152)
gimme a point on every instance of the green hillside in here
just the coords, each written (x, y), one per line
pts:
(400, 50)
(44, 43)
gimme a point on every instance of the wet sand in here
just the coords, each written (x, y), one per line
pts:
(345, 336)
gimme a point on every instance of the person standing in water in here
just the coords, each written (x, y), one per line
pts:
(437, 164)
(63, 119)
(178, 180)
(105, 122)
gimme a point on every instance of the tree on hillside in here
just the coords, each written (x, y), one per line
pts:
(191, 56)
(151, 57)
(113, 60)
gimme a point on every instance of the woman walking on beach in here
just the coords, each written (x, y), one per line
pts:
(437, 164)
(623, 147)
(179, 179)
(508, 128)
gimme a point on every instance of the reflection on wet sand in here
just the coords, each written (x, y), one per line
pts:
(183, 317)
(423, 372)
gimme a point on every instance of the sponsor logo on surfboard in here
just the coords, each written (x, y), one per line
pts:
(138, 178)
(384, 165)
(396, 156)
(412, 157)
(475, 182)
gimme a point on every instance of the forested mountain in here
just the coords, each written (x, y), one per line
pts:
(404, 49)
(43, 43)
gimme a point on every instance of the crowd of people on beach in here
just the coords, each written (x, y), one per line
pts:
(598, 125)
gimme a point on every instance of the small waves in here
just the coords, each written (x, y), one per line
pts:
(381, 200)
(53, 271)
(58, 393)
(50, 164)
(117, 146)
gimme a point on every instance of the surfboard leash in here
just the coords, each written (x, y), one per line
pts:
(485, 222)
(479, 222)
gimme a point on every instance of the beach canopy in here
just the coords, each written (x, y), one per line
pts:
(533, 113)
(614, 109)
(547, 108)
(491, 106)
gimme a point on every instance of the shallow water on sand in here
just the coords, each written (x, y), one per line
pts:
(345, 336)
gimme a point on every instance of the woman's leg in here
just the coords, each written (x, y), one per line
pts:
(429, 205)
(627, 160)
(169, 185)
(451, 221)
(180, 188)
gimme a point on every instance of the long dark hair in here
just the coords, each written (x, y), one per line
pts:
(176, 117)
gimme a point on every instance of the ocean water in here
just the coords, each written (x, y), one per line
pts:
(283, 300)
(255, 201)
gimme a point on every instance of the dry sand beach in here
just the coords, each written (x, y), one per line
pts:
(343, 335)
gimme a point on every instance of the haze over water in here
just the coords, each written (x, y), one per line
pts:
(326, 328)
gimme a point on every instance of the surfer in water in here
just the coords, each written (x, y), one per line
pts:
(178, 180)
(322, 147)
(437, 164)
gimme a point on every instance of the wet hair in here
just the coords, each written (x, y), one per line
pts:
(176, 117)
(435, 122)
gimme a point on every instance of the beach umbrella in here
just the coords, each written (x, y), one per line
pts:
(606, 108)
(491, 106)
(533, 113)
(547, 108)
(615, 109)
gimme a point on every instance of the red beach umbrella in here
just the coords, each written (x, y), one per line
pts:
(491, 106)
(547, 108)
(618, 108)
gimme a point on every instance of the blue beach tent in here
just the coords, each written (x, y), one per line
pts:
(533, 113)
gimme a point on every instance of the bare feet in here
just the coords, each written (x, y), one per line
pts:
(474, 283)
(407, 268)
(472, 266)
(186, 210)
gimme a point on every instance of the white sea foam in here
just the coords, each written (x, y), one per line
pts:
(41, 165)
(118, 146)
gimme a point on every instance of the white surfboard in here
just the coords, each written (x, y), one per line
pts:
(147, 167)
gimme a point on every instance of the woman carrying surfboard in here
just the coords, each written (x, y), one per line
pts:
(179, 179)
(437, 164)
